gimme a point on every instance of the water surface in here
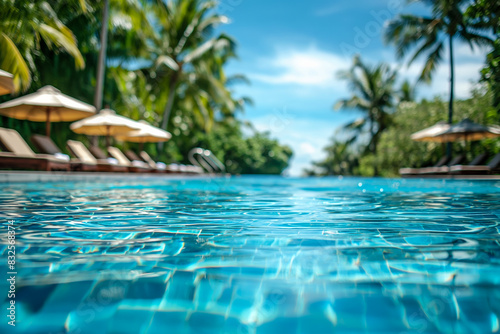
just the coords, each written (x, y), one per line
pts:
(254, 255)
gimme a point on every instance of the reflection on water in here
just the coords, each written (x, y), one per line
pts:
(255, 255)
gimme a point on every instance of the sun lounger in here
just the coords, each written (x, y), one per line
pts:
(159, 168)
(98, 153)
(443, 169)
(83, 154)
(168, 168)
(492, 167)
(405, 172)
(171, 168)
(21, 156)
(147, 159)
(135, 166)
(479, 159)
(46, 145)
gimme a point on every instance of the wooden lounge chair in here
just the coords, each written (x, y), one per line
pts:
(492, 167)
(136, 166)
(83, 154)
(443, 169)
(158, 168)
(412, 172)
(21, 156)
(46, 145)
(171, 168)
(479, 159)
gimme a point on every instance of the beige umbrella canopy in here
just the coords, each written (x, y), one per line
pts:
(6, 83)
(468, 130)
(106, 123)
(146, 134)
(47, 104)
(429, 134)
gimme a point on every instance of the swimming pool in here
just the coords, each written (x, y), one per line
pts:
(253, 255)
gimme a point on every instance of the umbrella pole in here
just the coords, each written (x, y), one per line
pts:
(141, 146)
(47, 123)
(108, 140)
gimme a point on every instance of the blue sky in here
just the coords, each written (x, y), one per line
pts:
(292, 50)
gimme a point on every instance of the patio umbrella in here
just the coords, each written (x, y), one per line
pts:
(429, 134)
(145, 134)
(6, 83)
(106, 123)
(469, 131)
(47, 105)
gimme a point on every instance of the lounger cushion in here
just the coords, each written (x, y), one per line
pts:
(478, 159)
(81, 152)
(14, 143)
(122, 159)
(45, 144)
(145, 156)
(98, 153)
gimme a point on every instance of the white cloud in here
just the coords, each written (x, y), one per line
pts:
(307, 148)
(310, 67)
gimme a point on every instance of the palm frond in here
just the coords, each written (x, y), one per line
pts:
(12, 61)
(167, 61)
(434, 58)
(63, 39)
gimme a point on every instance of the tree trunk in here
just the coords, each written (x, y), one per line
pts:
(168, 107)
(101, 65)
(452, 92)
(372, 134)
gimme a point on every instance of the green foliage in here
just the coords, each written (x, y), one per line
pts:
(163, 64)
(27, 26)
(485, 15)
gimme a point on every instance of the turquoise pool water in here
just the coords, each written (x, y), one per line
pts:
(253, 255)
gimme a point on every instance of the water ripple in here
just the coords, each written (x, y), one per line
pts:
(256, 255)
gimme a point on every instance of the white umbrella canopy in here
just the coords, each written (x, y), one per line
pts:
(6, 83)
(106, 123)
(429, 134)
(47, 104)
(469, 131)
(146, 134)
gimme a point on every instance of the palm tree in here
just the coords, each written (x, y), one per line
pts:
(373, 94)
(407, 92)
(341, 159)
(183, 44)
(429, 35)
(24, 25)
